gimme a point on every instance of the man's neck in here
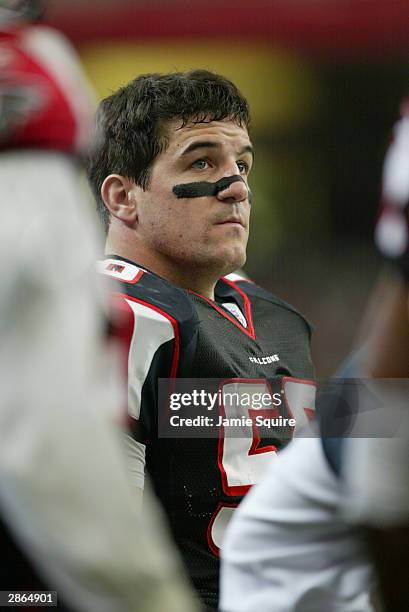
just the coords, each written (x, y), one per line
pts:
(194, 278)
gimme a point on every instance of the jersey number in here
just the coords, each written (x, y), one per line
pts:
(243, 460)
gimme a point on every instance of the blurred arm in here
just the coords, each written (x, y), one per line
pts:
(64, 492)
(385, 331)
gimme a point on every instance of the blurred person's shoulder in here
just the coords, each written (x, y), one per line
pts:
(46, 34)
(27, 34)
(51, 46)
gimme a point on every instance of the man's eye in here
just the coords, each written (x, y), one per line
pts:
(200, 164)
(243, 167)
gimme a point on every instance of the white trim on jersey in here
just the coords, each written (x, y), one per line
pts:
(236, 312)
(151, 331)
(125, 271)
(234, 277)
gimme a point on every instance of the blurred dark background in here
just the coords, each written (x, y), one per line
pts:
(325, 79)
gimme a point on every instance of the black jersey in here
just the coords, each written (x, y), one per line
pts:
(245, 336)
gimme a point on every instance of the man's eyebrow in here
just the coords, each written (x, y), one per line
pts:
(203, 144)
(247, 149)
(208, 144)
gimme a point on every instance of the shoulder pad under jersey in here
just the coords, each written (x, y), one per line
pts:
(149, 289)
(252, 290)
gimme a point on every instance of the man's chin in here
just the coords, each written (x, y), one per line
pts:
(217, 263)
(231, 262)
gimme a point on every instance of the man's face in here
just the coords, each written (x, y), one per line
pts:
(207, 233)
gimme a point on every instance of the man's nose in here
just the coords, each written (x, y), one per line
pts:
(235, 192)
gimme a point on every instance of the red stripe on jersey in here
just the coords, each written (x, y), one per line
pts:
(172, 320)
(113, 269)
(254, 449)
(122, 329)
(122, 297)
(247, 305)
(126, 329)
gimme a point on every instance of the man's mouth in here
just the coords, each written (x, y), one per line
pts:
(232, 220)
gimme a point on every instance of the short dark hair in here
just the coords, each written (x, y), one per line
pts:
(129, 131)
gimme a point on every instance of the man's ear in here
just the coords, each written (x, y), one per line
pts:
(120, 198)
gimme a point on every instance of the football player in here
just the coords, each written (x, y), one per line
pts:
(171, 175)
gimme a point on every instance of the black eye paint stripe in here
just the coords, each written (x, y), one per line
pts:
(204, 189)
